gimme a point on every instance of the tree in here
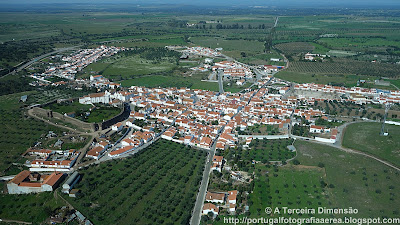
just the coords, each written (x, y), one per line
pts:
(296, 162)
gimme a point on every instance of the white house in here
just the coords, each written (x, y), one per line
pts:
(209, 207)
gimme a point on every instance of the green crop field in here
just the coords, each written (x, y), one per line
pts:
(343, 66)
(157, 186)
(365, 137)
(35, 208)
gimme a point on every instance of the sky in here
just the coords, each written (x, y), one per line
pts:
(223, 2)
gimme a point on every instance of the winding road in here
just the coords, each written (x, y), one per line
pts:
(41, 57)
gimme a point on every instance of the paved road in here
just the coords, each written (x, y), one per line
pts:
(276, 21)
(196, 213)
(41, 57)
(14, 221)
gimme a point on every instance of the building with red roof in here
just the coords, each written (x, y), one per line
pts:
(26, 182)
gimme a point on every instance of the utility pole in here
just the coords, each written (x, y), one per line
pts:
(387, 107)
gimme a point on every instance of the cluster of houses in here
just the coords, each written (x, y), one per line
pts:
(269, 69)
(314, 57)
(51, 160)
(357, 95)
(215, 201)
(233, 70)
(76, 62)
(99, 81)
(207, 52)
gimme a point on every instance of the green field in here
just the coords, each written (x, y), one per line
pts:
(269, 150)
(34, 208)
(396, 83)
(229, 45)
(365, 137)
(193, 82)
(128, 67)
(358, 180)
(318, 181)
(157, 186)
(101, 114)
(67, 107)
(299, 187)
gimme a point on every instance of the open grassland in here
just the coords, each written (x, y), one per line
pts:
(359, 182)
(128, 67)
(35, 208)
(193, 82)
(19, 132)
(157, 186)
(365, 137)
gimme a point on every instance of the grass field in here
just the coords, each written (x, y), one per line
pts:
(157, 186)
(365, 137)
(396, 83)
(29, 208)
(193, 82)
(128, 67)
(102, 114)
(359, 182)
(68, 107)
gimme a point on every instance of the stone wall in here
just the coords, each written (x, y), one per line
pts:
(48, 114)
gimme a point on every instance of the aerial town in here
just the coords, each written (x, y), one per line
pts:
(208, 115)
(201, 119)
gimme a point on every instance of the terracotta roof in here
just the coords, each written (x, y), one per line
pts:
(20, 177)
(209, 206)
(214, 196)
(232, 195)
(53, 179)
